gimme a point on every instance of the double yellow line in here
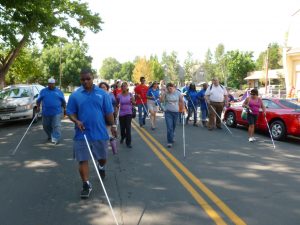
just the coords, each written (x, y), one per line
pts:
(158, 149)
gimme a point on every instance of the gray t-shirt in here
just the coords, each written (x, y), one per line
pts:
(172, 101)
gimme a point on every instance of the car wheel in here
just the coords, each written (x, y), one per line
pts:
(278, 130)
(230, 119)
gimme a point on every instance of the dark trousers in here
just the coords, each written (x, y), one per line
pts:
(125, 127)
(192, 110)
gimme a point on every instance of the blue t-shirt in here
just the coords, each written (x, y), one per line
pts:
(52, 101)
(91, 109)
(200, 96)
(151, 92)
(192, 98)
(113, 99)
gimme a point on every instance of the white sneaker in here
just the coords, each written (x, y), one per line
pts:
(251, 139)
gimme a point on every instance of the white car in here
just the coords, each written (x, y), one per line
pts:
(18, 102)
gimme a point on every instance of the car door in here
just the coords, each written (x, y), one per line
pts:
(271, 108)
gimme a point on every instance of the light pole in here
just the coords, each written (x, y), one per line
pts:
(267, 70)
(60, 67)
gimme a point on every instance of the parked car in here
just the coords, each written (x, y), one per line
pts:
(18, 102)
(283, 117)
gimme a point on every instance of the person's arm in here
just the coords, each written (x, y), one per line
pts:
(226, 100)
(181, 104)
(245, 103)
(78, 123)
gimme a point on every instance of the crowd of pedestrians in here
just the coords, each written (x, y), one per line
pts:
(97, 110)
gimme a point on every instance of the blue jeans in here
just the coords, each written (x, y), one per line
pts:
(171, 120)
(142, 118)
(52, 126)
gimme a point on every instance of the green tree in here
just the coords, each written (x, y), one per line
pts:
(189, 67)
(22, 21)
(171, 64)
(275, 58)
(110, 68)
(156, 69)
(208, 66)
(73, 58)
(126, 71)
(238, 64)
(220, 64)
(27, 67)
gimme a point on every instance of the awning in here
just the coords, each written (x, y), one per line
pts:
(272, 74)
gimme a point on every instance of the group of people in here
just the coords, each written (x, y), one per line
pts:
(96, 111)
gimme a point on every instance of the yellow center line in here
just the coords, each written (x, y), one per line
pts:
(207, 208)
(233, 217)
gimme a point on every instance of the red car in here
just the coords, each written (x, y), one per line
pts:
(283, 117)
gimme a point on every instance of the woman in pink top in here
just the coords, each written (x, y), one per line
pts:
(253, 103)
(125, 101)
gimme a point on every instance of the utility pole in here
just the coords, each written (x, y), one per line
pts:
(60, 68)
(267, 70)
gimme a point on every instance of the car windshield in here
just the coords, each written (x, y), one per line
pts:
(290, 104)
(16, 92)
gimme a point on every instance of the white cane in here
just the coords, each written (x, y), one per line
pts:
(221, 119)
(14, 152)
(117, 117)
(145, 107)
(112, 211)
(269, 131)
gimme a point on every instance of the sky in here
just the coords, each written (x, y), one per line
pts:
(149, 27)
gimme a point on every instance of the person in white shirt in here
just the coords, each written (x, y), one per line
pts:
(216, 98)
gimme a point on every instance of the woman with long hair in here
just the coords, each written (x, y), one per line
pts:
(125, 101)
(153, 103)
(253, 104)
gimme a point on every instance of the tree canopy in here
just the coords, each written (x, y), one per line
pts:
(22, 21)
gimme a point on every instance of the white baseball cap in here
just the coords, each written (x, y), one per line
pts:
(51, 80)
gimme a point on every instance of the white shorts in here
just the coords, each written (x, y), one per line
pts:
(152, 105)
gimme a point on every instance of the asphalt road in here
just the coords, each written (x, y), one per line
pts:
(223, 179)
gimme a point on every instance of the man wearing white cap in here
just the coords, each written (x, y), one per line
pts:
(53, 101)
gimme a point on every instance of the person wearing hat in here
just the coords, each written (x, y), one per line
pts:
(52, 100)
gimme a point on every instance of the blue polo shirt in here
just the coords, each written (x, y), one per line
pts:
(91, 109)
(200, 96)
(52, 101)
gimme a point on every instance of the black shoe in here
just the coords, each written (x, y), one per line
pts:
(141, 125)
(101, 172)
(219, 128)
(144, 122)
(122, 140)
(195, 125)
(129, 146)
(49, 139)
(86, 190)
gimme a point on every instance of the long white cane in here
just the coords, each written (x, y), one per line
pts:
(14, 152)
(117, 117)
(183, 134)
(112, 211)
(221, 120)
(145, 107)
(269, 131)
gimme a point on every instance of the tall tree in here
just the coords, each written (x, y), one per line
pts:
(73, 58)
(21, 21)
(142, 67)
(171, 65)
(189, 67)
(208, 66)
(275, 58)
(110, 68)
(126, 71)
(27, 67)
(220, 64)
(239, 64)
(156, 68)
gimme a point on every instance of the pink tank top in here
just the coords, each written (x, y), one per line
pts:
(254, 105)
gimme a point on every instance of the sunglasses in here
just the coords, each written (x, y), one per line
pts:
(83, 79)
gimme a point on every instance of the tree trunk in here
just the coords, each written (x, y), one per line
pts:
(10, 58)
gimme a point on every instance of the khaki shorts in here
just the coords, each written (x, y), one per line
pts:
(152, 105)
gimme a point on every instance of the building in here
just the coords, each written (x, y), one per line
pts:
(291, 57)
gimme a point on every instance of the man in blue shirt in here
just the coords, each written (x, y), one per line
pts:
(90, 108)
(203, 104)
(53, 101)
